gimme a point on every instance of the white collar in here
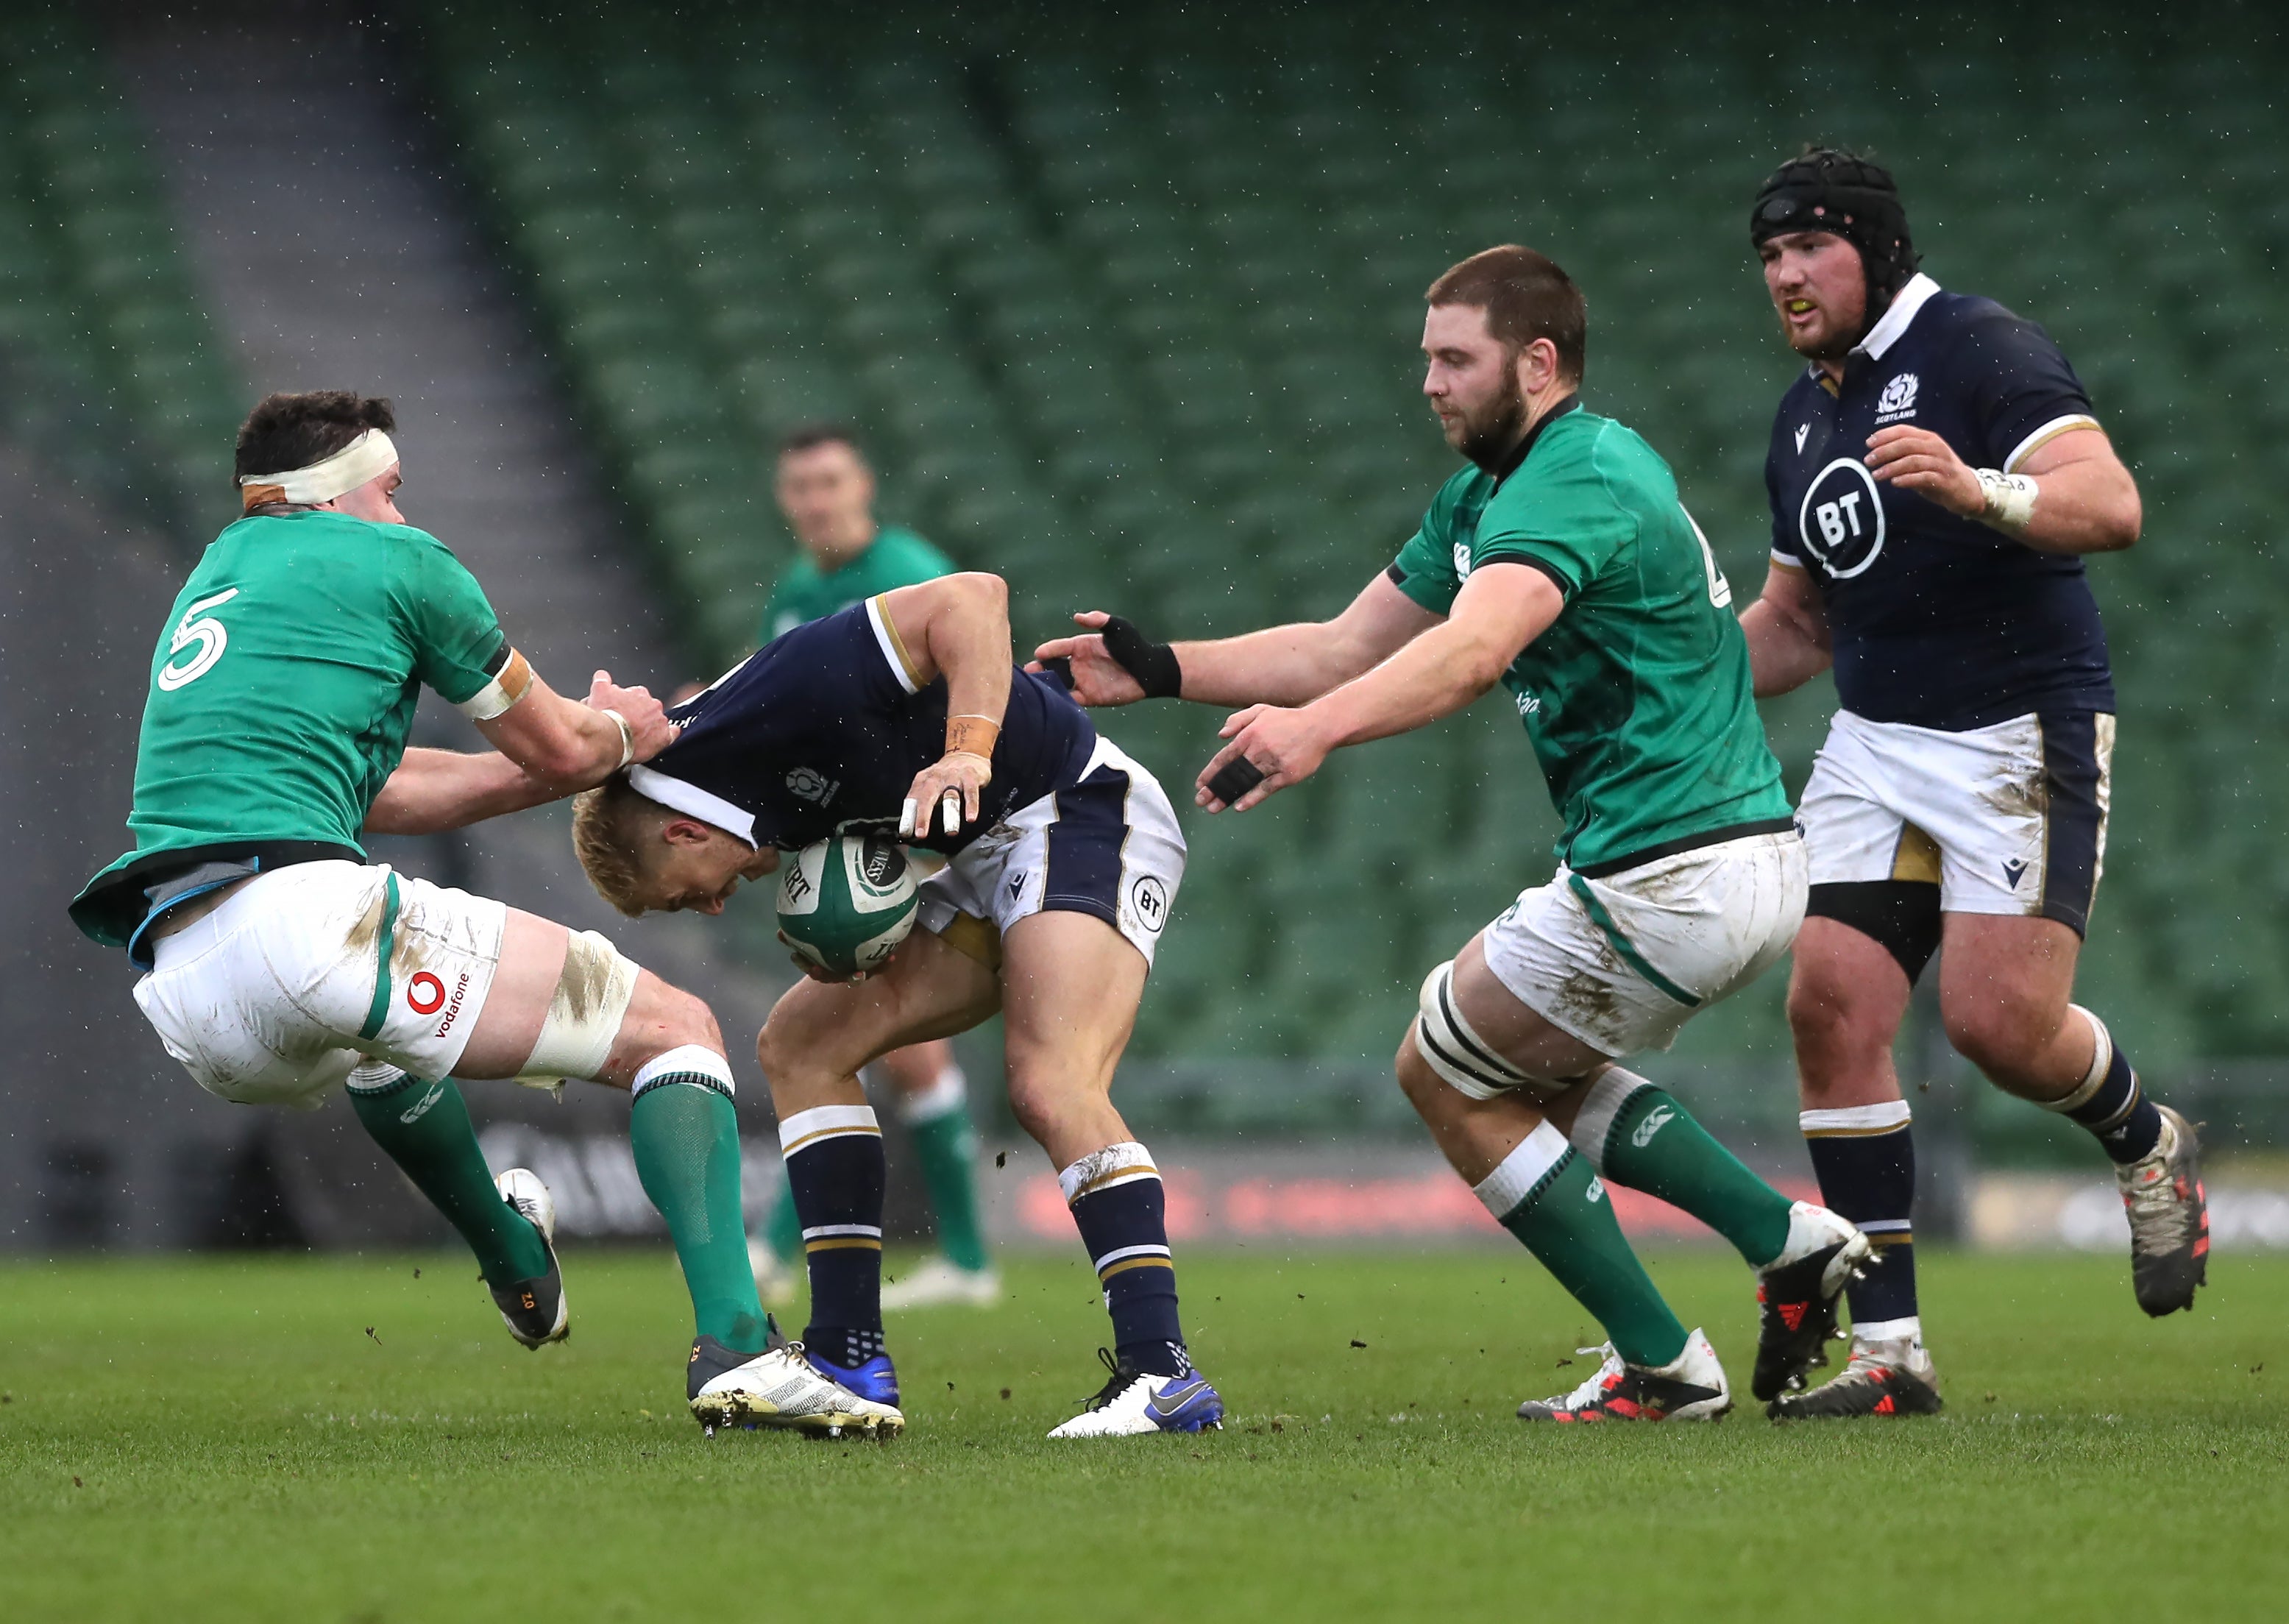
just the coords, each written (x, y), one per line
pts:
(1905, 304)
(692, 802)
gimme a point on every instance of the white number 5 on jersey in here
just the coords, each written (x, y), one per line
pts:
(1720, 591)
(210, 637)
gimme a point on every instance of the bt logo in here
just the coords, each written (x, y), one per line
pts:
(1841, 522)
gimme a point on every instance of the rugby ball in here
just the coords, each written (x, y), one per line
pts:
(848, 901)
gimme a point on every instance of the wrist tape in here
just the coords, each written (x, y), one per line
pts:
(1152, 664)
(971, 736)
(2010, 498)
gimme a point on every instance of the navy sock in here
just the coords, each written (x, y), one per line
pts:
(836, 1169)
(1865, 1159)
(1118, 1201)
(2111, 1104)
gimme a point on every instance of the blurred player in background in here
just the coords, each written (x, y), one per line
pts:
(280, 964)
(826, 492)
(1561, 566)
(1937, 474)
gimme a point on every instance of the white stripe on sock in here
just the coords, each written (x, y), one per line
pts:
(1607, 1097)
(1889, 1329)
(871, 1231)
(2102, 1061)
(690, 1057)
(822, 1120)
(1855, 1118)
(1120, 1252)
(1521, 1170)
(1116, 1165)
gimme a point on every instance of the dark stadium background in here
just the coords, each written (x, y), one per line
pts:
(1125, 300)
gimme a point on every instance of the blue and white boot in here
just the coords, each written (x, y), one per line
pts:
(1134, 1403)
(876, 1379)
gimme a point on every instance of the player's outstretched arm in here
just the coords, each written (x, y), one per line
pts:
(1501, 609)
(1114, 664)
(434, 790)
(571, 746)
(1787, 629)
(956, 626)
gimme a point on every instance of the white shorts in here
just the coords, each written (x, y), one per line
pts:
(1109, 845)
(1624, 961)
(2009, 819)
(273, 997)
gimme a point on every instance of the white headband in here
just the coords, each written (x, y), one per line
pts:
(365, 457)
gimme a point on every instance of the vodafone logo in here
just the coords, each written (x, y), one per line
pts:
(425, 994)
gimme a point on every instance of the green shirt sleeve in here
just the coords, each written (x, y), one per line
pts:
(458, 640)
(906, 560)
(1557, 515)
(1424, 569)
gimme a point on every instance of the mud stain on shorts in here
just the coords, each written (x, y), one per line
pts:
(2020, 791)
(1585, 1001)
(360, 939)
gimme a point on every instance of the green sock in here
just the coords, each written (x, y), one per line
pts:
(1552, 1202)
(1642, 1138)
(686, 1139)
(425, 1129)
(783, 1231)
(948, 1151)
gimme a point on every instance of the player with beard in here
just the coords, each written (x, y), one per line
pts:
(1937, 475)
(1562, 565)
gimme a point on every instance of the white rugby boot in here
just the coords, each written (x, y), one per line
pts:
(1132, 1404)
(1797, 1294)
(1591, 1387)
(1892, 1377)
(534, 1311)
(779, 1389)
(938, 1283)
(1690, 1388)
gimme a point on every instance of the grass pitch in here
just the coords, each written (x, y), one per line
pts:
(318, 1441)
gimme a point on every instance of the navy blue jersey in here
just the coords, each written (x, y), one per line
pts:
(1937, 620)
(827, 725)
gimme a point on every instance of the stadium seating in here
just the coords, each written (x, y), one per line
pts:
(111, 364)
(1125, 303)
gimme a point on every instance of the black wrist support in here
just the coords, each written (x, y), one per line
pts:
(1153, 665)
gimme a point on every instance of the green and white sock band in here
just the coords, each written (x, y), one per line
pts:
(945, 1097)
(821, 1122)
(1524, 1172)
(693, 1063)
(1107, 1169)
(376, 1078)
(1607, 1100)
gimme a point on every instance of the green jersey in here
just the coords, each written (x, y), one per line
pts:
(281, 695)
(1636, 700)
(894, 557)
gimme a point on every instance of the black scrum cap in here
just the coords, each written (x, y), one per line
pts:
(1827, 190)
